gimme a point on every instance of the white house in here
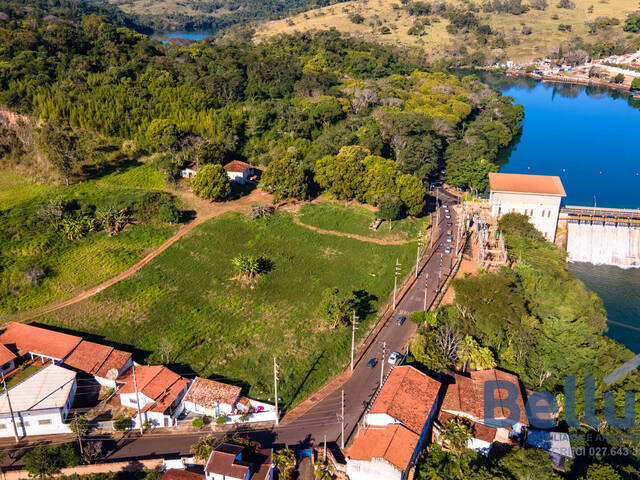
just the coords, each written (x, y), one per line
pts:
(104, 363)
(40, 403)
(210, 398)
(395, 428)
(7, 360)
(537, 196)
(158, 396)
(190, 170)
(234, 462)
(239, 171)
(464, 399)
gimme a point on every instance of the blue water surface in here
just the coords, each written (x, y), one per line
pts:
(195, 36)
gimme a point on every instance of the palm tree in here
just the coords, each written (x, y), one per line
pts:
(455, 433)
(113, 220)
(285, 461)
(247, 266)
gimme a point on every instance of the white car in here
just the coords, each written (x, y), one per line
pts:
(394, 357)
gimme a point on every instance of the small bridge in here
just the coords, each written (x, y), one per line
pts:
(600, 216)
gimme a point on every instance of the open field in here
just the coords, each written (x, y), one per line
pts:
(355, 219)
(29, 242)
(187, 310)
(438, 42)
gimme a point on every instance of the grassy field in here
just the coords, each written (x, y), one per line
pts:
(356, 220)
(187, 310)
(27, 241)
(438, 42)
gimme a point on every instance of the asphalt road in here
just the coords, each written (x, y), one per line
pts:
(322, 420)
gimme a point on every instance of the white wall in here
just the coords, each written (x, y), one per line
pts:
(45, 422)
(479, 446)
(543, 210)
(379, 419)
(376, 469)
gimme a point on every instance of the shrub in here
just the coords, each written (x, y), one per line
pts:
(356, 18)
(197, 423)
(169, 213)
(635, 84)
(568, 4)
(619, 78)
(221, 420)
(45, 461)
(122, 424)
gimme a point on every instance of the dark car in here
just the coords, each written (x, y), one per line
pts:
(372, 363)
(400, 320)
(449, 223)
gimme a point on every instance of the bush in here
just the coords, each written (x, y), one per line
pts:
(568, 4)
(635, 84)
(619, 78)
(221, 420)
(122, 424)
(169, 213)
(356, 18)
(197, 423)
(45, 461)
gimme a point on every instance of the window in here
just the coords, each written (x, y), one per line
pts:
(133, 401)
(22, 424)
(44, 422)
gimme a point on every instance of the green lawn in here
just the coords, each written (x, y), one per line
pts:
(28, 241)
(187, 310)
(356, 220)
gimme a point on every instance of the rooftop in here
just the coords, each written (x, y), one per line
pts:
(208, 392)
(223, 461)
(98, 360)
(237, 166)
(156, 382)
(48, 388)
(22, 339)
(531, 184)
(175, 474)
(408, 396)
(6, 355)
(393, 443)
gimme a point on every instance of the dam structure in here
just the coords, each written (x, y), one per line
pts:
(601, 236)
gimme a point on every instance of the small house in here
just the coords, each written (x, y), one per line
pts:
(105, 364)
(211, 398)
(235, 462)
(36, 342)
(190, 170)
(40, 403)
(7, 360)
(239, 171)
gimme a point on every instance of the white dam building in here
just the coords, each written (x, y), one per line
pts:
(537, 196)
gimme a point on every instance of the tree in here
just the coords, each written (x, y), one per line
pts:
(211, 183)
(342, 175)
(601, 471)
(632, 23)
(389, 208)
(163, 134)
(480, 357)
(45, 461)
(248, 266)
(619, 78)
(113, 220)
(635, 83)
(455, 433)
(412, 193)
(80, 426)
(285, 178)
(527, 464)
(336, 307)
(205, 445)
(425, 349)
(57, 142)
(285, 461)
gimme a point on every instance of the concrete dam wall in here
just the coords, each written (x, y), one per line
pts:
(603, 243)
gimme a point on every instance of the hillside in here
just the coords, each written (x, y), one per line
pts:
(511, 29)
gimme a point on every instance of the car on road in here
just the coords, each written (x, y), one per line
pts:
(400, 320)
(447, 250)
(447, 216)
(449, 232)
(372, 363)
(449, 223)
(449, 239)
(394, 358)
(445, 206)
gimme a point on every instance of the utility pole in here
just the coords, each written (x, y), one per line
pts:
(135, 386)
(13, 422)
(425, 292)
(325, 449)
(354, 322)
(395, 282)
(78, 434)
(384, 350)
(418, 252)
(275, 384)
(341, 425)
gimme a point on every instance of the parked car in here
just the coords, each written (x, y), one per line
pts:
(400, 320)
(447, 216)
(445, 206)
(449, 223)
(449, 239)
(449, 232)
(394, 358)
(372, 363)
(447, 250)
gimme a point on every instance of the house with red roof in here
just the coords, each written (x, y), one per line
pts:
(464, 399)
(235, 462)
(156, 391)
(396, 427)
(104, 363)
(239, 171)
(7, 360)
(38, 343)
(211, 398)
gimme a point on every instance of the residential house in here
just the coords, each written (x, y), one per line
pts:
(211, 398)
(234, 462)
(464, 399)
(47, 345)
(40, 403)
(556, 444)
(181, 474)
(396, 427)
(190, 170)
(7, 360)
(105, 364)
(239, 171)
(159, 394)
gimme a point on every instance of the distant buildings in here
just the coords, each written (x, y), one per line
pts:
(537, 196)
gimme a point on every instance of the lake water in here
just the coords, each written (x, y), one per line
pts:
(589, 137)
(195, 36)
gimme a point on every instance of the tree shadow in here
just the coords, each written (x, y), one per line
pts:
(364, 303)
(304, 380)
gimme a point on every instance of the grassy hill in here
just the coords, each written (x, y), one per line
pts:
(390, 21)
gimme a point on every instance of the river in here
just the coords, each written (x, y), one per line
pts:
(588, 137)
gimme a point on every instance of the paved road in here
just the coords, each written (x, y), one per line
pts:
(359, 390)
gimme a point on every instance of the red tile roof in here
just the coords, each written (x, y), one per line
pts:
(98, 360)
(22, 339)
(222, 461)
(156, 382)
(466, 395)
(176, 474)
(6, 355)
(237, 166)
(393, 443)
(408, 396)
(207, 393)
(520, 183)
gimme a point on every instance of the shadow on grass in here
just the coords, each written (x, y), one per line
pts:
(304, 380)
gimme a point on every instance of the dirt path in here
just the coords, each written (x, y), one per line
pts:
(352, 235)
(205, 211)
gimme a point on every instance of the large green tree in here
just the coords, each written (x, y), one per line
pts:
(343, 174)
(285, 178)
(211, 183)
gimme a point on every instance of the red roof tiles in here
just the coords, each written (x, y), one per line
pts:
(520, 183)
(22, 339)
(408, 396)
(156, 382)
(237, 166)
(175, 474)
(207, 393)
(235, 461)
(6, 355)
(393, 443)
(98, 360)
